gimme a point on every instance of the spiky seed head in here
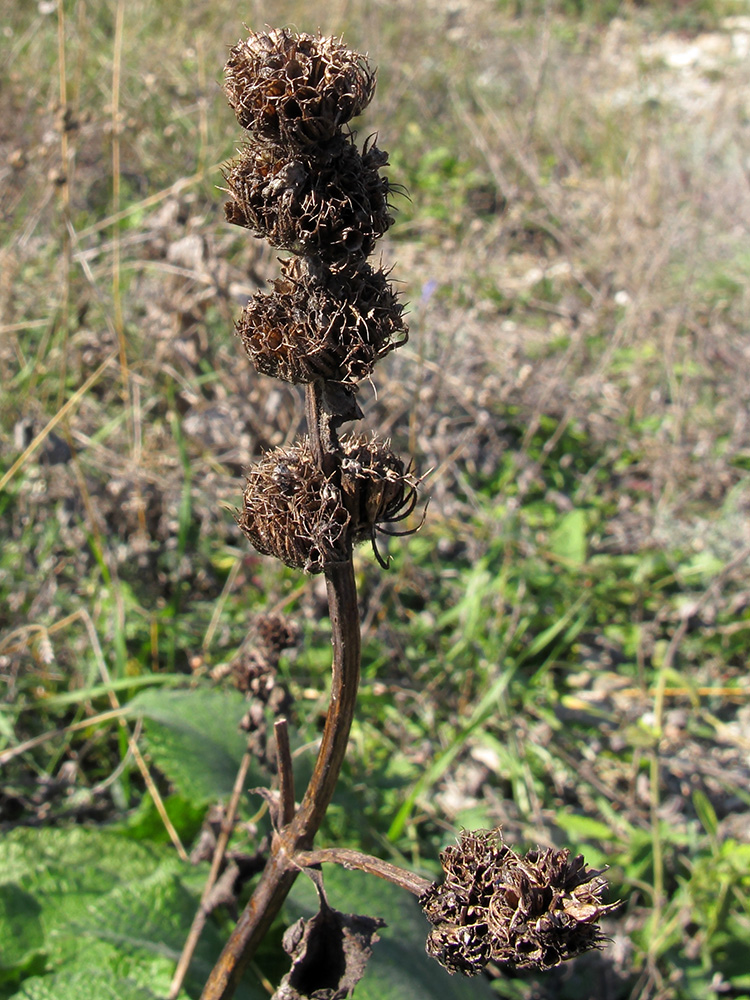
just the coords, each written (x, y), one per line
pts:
(519, 912)
(293, 512)
(322, 323)
(297, 89)
(376, 486)
(334, 208)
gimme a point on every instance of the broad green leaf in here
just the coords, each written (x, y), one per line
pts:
(400, 968)
(22, 951)
(193, 737)
(85, 913)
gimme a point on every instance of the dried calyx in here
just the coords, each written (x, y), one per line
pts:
(294, 512)
(296, 88)
(332, 205)
(518, 912)
(322, 324)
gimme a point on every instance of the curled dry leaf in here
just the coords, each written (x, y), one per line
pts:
(329, 952)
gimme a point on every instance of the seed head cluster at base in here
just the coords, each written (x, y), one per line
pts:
(518, 912)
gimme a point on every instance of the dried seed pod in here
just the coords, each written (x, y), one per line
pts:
(332, 324)
(520, 912)
(292, 512)
(333, 207)
(296, 88)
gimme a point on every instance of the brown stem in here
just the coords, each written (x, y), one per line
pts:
(313, 413)
(401, 877)
(281, 870)
(286, 774)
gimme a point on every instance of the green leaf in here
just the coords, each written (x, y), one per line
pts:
(194, 739)
(706, 813)
(22, 936)
(88, 914)
(568, 540)
(585, 828)
(145, 821)
(399, 969)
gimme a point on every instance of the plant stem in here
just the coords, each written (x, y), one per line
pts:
(401, 877)
(280, 871)
(286, 773)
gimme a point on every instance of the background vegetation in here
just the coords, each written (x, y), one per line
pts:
(561, 649)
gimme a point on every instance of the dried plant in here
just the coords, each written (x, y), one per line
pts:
(494, 906)
(302, 183)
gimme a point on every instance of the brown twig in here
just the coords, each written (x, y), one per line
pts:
(199, 920)
(281, 869)
(286, 774)
(351, 859)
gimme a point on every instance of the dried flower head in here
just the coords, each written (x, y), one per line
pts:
(520, 912)
(317, 323)
(292, 511)
(296, 88)
(332, 207)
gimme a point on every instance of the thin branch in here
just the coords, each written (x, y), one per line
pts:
(199, 920)
(401, 877)
(286, 774)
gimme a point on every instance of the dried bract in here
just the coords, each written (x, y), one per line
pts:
(377, 488)
(330, 324)
(519, 912)
(296, 88)
(333, 207)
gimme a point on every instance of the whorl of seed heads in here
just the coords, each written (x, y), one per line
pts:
(332, 208)
(333, 324)
(292, 511)
(296, 88)
(519, 912)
